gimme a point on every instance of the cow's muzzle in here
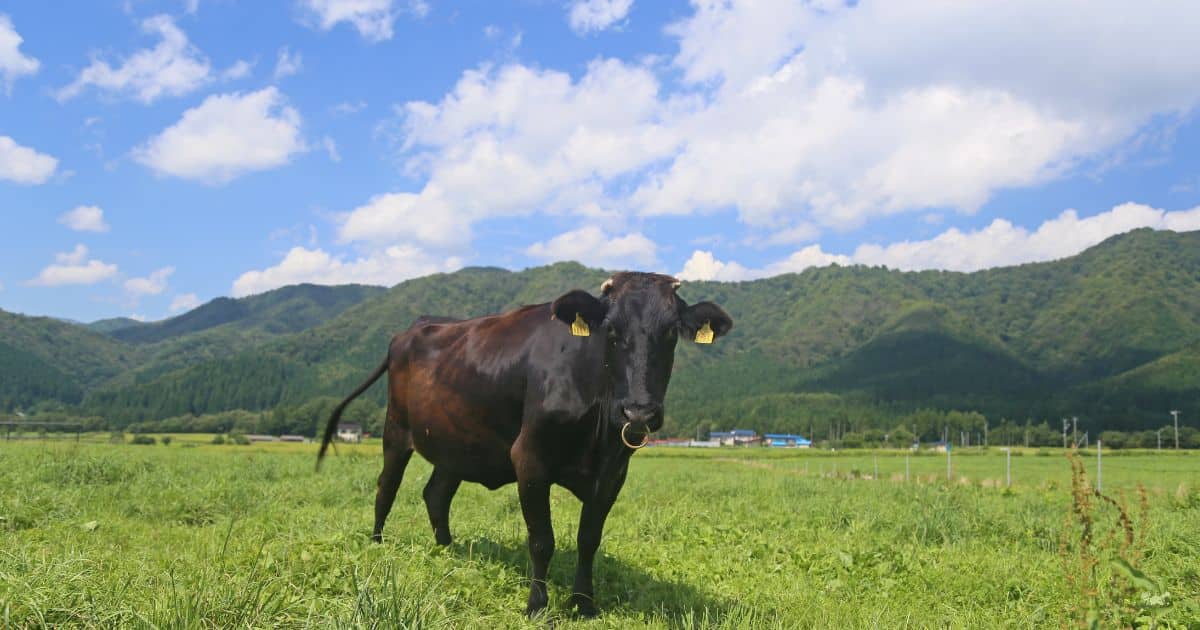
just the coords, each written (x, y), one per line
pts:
(625, 439)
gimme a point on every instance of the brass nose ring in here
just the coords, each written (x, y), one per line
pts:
(645, 438)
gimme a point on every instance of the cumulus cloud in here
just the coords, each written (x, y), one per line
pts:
(24, 165)
(1000, 243)
(513, 141)
(226, 136)
(171, 68)
(288, 63)
(13, 63)
(385, 267)
(239, 70)
(596, 15)
(843, 113)
(184, 302)
(153, 284)
(85, 219)
(805, 116)
(591, 246)
(373, 19)
(331, 149)
(74, 267)
(703, 265)
(425, 218)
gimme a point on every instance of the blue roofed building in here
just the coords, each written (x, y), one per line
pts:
(786, 440)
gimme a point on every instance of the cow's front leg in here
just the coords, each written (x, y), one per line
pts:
(534, 490)
(591, 527)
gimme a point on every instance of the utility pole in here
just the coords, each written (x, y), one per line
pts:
(1175, 414)
(1099, 470)
(1075, 431)
(1159, 434)
(1066, 423)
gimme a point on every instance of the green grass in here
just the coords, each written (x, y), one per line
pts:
(223, 536)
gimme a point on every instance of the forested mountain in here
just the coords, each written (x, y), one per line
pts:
(1110, 336)
(46, 359)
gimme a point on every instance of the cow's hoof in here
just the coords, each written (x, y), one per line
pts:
(376, 538)
(584, 606)
(442, 539)
(536, 607)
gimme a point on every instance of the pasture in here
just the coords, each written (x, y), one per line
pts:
(194, 535)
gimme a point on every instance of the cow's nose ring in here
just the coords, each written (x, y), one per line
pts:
(645, 438)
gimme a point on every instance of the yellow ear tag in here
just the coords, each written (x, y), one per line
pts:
(579, 328)
(705, 334)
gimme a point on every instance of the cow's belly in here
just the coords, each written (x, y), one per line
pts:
(470, 440)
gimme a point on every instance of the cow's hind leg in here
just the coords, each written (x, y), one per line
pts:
(438, 494)
(397, 450)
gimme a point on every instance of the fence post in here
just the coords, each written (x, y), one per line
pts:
(1008, 467)
(948, 466)
(1099, 470)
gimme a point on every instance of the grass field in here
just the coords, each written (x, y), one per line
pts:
(223, 536)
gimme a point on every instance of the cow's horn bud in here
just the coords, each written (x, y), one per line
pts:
(606, 286)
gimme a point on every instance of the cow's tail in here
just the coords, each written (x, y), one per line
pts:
(331, 426)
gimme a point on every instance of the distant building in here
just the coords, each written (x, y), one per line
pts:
(939, 446)
(254, 437)
(292, 438)
(736, 437)
(350, 432)
(786, 440)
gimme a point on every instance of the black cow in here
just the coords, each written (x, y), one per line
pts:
(553, 393)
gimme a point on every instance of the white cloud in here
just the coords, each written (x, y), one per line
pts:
(85, 219)
(704, 266)
(225, 137)
(184, 302)
(288, 63)
(74, 268)
(591, 246)
(24, 165)
(172, 68)
(13, 64)
(597, 15)
(843, 113)
(331, 148)
(425, 218)
(373, 19)
(346, 107)
(998, 244)
(153, 284)
(1002, 243)
(191, 6)
(239, 70)
(514, 141)
(386, 267)
(804, 116)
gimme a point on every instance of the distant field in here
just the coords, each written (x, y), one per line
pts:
(197, 535)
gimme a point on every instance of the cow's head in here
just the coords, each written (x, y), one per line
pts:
(641, 317)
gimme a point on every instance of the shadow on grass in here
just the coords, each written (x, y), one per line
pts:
(621, 588)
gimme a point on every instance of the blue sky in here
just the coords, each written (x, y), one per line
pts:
(155, 154)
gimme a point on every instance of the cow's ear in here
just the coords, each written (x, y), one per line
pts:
(704, 321)
(579, 310)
